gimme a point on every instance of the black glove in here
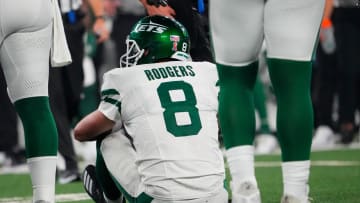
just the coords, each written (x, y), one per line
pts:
(157, 3)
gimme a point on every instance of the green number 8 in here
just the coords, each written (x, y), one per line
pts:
(171, 107)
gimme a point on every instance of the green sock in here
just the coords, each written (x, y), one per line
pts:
(236, 104)
(291, 82)
(260, 106)
(41, 138)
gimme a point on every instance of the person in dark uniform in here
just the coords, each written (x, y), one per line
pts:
(66, 83)
(347, 31)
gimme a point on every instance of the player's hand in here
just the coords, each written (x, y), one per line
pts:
(327, 38)
(101, 30)
(163, 10)
(157, 3)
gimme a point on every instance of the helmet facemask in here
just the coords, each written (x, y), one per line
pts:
(132, 55)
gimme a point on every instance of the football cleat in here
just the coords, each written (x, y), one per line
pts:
(265, 144)
(293, 199)
(245, 192)
(324, 138)
(91, 185)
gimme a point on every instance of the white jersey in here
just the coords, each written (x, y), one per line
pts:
(169, 110)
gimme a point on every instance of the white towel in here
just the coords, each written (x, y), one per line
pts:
(60, 54)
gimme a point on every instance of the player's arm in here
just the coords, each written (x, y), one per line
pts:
(93, 125)
(99, 27)
(98, 122)
(329, 7)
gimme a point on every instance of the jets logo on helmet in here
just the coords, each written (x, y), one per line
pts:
(150, 27)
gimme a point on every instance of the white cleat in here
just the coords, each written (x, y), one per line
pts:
(245, 192)
(293, 199)
(324, 138)
(265, 144)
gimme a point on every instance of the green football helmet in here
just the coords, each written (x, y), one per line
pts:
(156, 38)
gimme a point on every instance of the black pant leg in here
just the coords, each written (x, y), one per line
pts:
(65, 88)
(59, 108)
(327, 73)
(8, 119)
(73, 74)
(347, 32)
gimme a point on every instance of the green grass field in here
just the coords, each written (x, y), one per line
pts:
(335, 178)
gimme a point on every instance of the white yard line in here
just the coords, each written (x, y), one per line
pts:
(59, 198)
(313, 163)
(83, 196)
(332, 163)
(71, 197)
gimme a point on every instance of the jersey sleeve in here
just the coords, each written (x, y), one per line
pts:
(110, 104)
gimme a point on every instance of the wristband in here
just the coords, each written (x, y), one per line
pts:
(326, 23)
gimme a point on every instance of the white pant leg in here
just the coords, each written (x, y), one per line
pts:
(26, 30)
(119, 157)
(291, 28)
(18, 15)
(236, 30)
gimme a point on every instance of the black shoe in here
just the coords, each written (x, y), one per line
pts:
(68, 176)
(15, 157)
(347, 136)
(347, 132)
(91, 184)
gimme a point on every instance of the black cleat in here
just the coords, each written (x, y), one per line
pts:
(91, 184)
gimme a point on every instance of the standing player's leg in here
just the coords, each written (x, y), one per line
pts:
(27, 81)
(237, 35)
(24, 55)
(290, 43)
